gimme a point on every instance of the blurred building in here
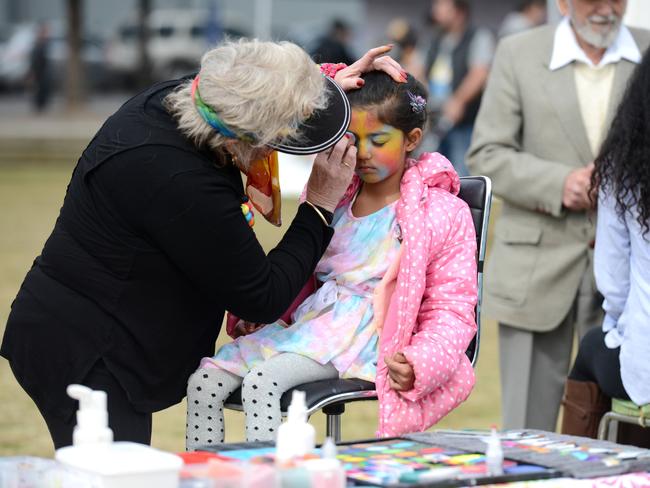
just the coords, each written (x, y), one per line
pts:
(282, 18)
(302, 21)
(299, 20)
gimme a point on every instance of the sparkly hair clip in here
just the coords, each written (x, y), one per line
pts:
(417, 102)
(330, 69)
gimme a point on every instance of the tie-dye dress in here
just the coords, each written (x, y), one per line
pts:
(334, 324)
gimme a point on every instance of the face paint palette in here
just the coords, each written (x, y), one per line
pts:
(403, 462)
(576, 457)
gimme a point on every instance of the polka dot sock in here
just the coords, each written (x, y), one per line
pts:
(207, 390)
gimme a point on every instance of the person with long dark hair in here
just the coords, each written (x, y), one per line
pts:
(612, 361)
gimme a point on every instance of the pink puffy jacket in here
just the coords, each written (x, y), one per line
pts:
(424, 306)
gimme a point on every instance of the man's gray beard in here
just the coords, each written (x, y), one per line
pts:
(595, 38)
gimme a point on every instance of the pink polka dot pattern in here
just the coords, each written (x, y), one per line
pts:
(430, 307)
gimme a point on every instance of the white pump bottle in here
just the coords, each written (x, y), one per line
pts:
(296, 436)
(92, 417)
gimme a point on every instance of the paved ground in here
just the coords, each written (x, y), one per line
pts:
(19, 121)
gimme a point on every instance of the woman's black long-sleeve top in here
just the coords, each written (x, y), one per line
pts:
(149, 250)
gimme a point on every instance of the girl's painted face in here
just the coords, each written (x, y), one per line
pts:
(380, 147)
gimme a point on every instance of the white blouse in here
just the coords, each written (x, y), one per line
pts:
(622, 267)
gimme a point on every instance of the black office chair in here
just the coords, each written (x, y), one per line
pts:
(332, 395)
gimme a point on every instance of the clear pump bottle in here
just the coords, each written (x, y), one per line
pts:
(494, 454)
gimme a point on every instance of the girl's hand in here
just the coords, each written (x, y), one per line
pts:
(244, 328)
(401, 376)
(374, 60)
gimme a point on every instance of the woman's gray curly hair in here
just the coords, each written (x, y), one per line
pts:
(261, 88)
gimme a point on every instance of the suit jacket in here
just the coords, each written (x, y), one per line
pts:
(529, 135)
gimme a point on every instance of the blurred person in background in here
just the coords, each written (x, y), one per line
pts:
(154, 240)
(529, 14)
(457, 67)
(405, 39)
(551, 95)
(613, 360)
(333, 46)
(40, 76)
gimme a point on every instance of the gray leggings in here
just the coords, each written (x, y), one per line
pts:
(262, 387)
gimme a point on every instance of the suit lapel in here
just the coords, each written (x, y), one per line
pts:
(561, 91)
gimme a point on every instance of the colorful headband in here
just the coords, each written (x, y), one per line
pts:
(208, 114)
(417, 102)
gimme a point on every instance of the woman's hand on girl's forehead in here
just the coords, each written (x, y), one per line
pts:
(374, 60)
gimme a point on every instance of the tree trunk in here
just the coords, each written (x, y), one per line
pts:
(74, 75)
(144, 68)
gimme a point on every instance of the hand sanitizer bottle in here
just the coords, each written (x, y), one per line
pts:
(494, 454)
(102, 463)
(296, 436)
(92, 416)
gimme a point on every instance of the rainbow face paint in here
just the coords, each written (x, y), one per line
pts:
(380, 147)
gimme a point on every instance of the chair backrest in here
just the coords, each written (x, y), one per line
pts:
(476, 191)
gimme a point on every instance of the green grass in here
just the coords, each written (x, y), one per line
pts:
(30, 197)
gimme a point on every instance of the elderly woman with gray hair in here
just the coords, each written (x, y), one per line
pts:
(154, 239)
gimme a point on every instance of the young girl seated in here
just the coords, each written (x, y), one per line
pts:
(397, 295)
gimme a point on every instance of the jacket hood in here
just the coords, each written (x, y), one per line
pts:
(434, 171)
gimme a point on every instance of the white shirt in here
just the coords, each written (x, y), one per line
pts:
(567, 50)
(622, 268)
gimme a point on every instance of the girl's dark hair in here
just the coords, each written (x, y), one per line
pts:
(393, 100)
(622, 168)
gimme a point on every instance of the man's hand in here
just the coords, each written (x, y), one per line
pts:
(576, 189)
(401, 376)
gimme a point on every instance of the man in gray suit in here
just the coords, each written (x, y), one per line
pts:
(548, 103)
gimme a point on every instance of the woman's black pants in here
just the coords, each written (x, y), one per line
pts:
(127, 423)
(597, 363)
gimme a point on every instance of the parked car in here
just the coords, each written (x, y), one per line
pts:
(15, 57)
(177, 40)
(5, 34)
